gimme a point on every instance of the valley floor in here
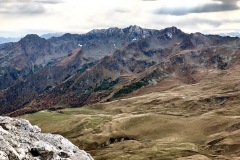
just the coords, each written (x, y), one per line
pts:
(197, 121)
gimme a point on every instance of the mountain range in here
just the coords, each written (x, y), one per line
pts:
(58, 34)
(50, 35)
(46, 36)
(102, 65)
(7, 40)
(231, 34)
(130, 93)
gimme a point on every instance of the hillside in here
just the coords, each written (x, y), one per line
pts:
(34, 65)
(175, 121)
(103, 65)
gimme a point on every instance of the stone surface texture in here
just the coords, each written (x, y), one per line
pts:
(21, 141)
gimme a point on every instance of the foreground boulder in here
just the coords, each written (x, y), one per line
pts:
(19, 140)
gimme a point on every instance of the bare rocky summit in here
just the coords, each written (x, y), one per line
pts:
(20, 141)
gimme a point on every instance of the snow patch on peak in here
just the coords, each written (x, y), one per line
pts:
(169, 35)
(136, 29)
(134, 39)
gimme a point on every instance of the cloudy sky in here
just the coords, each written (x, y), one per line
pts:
(20, 17)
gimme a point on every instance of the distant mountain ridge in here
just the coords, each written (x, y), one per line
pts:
(78, 69)
(7, 40)
(231, 34)
(50, 35)
(46, 36)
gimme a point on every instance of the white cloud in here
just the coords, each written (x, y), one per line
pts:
(41, 16)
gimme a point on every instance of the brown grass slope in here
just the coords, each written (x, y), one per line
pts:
(173, 121)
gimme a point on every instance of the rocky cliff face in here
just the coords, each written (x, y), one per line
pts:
(20, 140)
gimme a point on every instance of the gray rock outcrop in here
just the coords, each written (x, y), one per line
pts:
(19, 140)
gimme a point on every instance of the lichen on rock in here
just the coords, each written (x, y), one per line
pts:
(21, 141)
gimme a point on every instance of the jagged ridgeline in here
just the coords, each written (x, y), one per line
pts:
(102, 65)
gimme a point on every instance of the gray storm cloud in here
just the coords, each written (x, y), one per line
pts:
(25, 7)
(225, 5)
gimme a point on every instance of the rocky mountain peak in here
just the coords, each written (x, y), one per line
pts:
(136, 32)
(135, 29)
(114, 30)
(67, 36)
(132, 33)
(105, 32)
(173, 30)
(32, 39)
(170, 32)
(20, 140)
